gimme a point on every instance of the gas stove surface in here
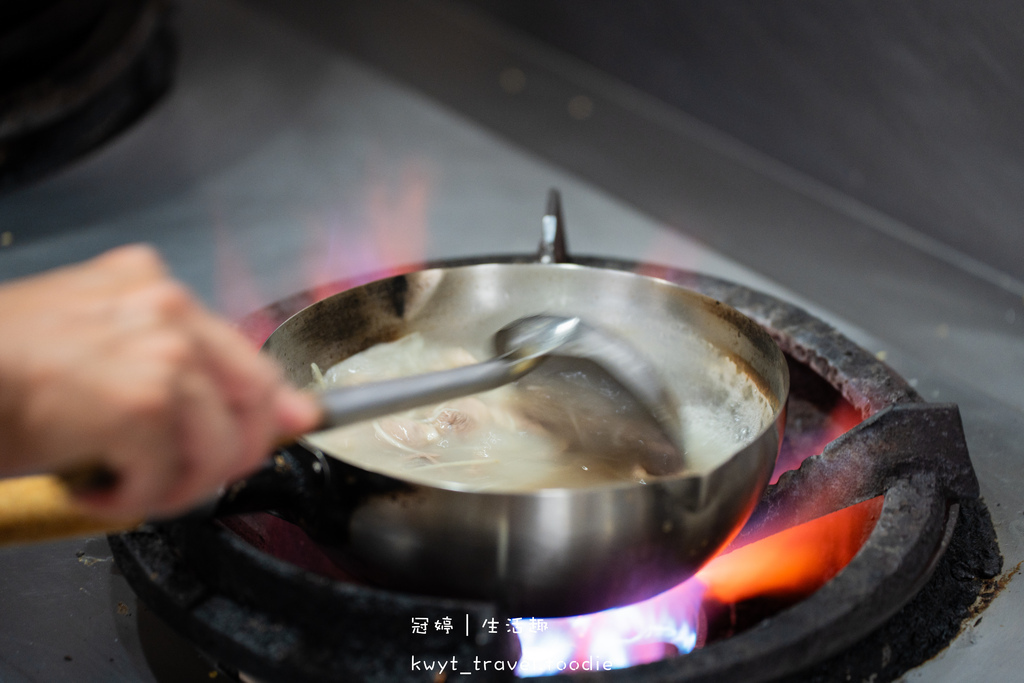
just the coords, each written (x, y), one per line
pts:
(305, 143)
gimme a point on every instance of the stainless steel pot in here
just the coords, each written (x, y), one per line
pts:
(550, 552)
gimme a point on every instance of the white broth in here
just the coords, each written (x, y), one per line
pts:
(485, 443)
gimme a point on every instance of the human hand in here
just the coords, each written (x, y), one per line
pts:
(113, 362)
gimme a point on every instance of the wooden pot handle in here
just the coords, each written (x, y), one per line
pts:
(41, 507)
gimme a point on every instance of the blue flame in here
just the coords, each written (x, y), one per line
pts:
(615, 638)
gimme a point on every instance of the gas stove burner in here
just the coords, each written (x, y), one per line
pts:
(258, 596)
(261, 614)
(74, 74)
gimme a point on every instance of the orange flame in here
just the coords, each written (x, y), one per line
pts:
(795, 561)
(336, 256)
(842, 418)
(392, 241)
(792, 564)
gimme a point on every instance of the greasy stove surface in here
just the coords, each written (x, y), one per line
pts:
(280, 162)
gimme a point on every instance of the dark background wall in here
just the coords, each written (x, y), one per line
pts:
(916, 108)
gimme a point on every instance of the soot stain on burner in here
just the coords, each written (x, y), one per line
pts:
(965, 580)
(991, 588)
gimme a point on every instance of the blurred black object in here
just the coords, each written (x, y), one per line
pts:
(74, 73)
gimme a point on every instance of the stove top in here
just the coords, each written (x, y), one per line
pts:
(234, 589)
(280, 163)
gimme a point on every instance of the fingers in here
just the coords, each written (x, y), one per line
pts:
(134, 434)
(210, 442)
(112, 273)
(130, 263)
(192, 405)
(297, 412)
(251, 382)
(265, 409)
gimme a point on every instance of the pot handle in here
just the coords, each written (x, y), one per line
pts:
(41, 507)
(552, 241)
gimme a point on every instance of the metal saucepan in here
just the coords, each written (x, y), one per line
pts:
(547, 552)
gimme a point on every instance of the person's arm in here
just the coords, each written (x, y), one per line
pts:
(114, 362)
